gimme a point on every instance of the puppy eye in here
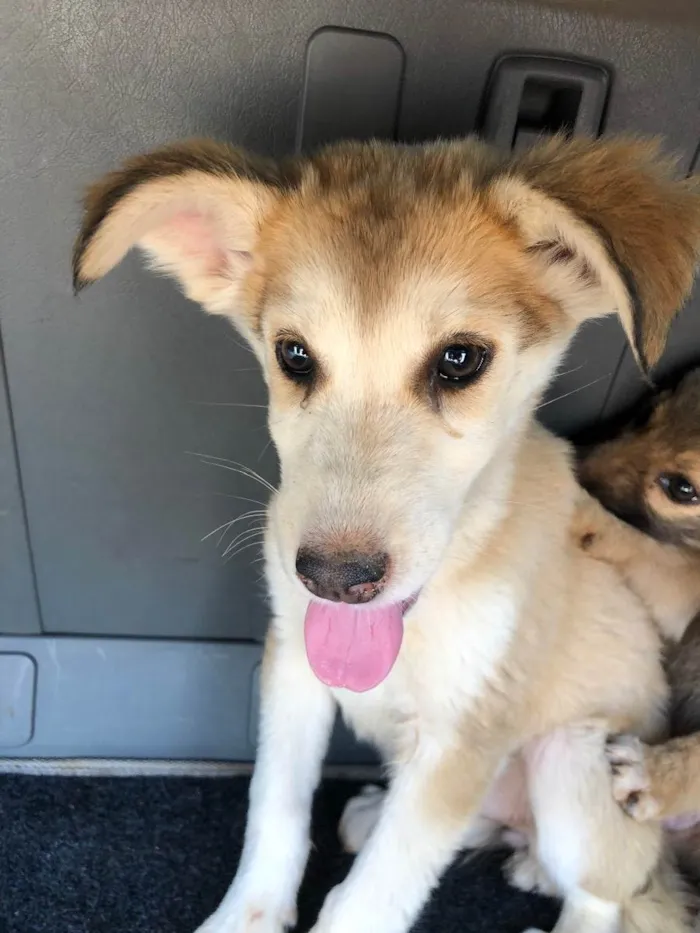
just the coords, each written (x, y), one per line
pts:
(679, 489)
(461, 363)
(294, 359)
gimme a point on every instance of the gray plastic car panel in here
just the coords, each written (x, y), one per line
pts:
(114, 396)
(136, 699)
(122, 698)
(19, 611)
(534, 96)
(352, 87)
(17, 693)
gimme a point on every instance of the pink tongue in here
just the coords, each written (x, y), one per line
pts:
(351, 646)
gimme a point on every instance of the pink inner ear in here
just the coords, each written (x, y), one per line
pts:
(196, 235)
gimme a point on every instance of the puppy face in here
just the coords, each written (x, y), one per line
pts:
(650, 475)
(408, 306)
(403, 344)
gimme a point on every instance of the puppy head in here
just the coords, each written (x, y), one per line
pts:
(408, 305)
(650, 474)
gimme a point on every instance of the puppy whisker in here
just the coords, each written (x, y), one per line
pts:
(230, 404)
(228, 495)
(264, 450)
(246, 535)
(241, 549)
(587, 385)
(235, 467)
(227, 525)
(569, 372)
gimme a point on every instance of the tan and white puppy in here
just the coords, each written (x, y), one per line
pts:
(408, 306)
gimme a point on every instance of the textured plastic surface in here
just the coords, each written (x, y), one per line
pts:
(18, 608)
(17, 686)
(117, 698)
(352, 87)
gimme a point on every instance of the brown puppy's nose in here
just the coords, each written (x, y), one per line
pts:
(342, 578)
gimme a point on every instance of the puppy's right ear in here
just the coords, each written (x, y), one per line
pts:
(194, 208)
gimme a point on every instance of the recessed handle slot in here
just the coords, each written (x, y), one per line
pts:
(534, 96)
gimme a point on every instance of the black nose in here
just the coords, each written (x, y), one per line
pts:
(342, 578)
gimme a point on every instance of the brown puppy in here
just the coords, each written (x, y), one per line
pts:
(649, 476)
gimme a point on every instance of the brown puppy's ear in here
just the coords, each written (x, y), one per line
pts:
(195, 209)
(612, 229)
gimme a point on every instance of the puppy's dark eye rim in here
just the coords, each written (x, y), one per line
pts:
(679, 488)
(294, 358)
(460, 362)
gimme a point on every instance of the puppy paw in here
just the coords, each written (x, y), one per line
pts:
(631, 785)
(523, 871)
(359, 818)
(254, 916)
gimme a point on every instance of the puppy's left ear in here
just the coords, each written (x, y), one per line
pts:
(611, 229)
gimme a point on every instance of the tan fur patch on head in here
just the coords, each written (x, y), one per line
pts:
(383, 215)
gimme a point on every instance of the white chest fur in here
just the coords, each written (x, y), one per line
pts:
(451, 649)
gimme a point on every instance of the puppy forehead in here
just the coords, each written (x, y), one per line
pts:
(324, 300)
(425, 263)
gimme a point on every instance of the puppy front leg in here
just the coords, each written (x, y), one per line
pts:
(421, 827)
(662, 576)
(296, 719)
(656, 782)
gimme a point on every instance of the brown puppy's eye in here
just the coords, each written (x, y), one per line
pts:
(294, 359)
(461, 363)
(679, 489)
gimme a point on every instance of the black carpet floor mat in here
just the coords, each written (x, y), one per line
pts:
(155, 855)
